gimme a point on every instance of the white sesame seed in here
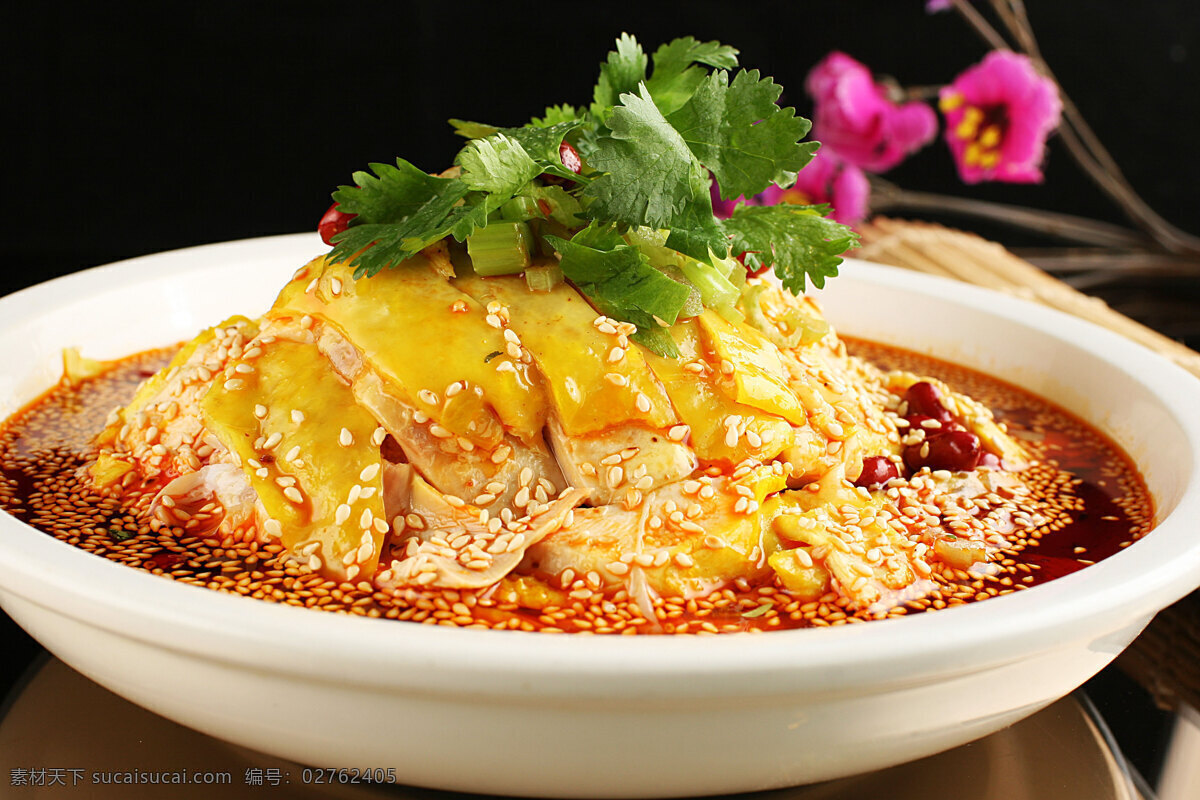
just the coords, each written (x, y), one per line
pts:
(260, 411)
(293, 494)
(369, 472)
(614, 477)
(643, 403)
(293, 454)
(297, 416)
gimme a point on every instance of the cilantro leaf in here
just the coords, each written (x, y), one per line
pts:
(618, 278)
(651, 175)
(621, 73)
(399, 211)
(695, 231)
(541, 142)
(737, 131)
(564, 208)
(553, 115)
(397, 193)
(675, 79)
(797, 241)
(497, 164)
(472, 130)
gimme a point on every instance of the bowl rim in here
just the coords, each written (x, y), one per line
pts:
(379, 654)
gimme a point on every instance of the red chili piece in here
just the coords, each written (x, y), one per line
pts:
(334, 222)
(569, 157)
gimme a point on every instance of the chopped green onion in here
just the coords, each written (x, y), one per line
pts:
(715, 289)
(642, 235)
(520, 208)
(543, 278)
(501, 248)
(547, 227)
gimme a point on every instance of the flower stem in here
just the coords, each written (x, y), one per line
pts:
(981, 25)
(886, 196)
(1110, 262)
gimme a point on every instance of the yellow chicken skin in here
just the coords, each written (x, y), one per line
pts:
(430, 428)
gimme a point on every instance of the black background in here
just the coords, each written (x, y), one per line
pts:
(136, 128)
(146, 127)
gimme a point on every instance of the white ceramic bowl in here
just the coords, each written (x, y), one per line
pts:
(529, 714)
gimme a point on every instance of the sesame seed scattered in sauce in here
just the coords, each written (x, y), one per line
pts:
(45, 449)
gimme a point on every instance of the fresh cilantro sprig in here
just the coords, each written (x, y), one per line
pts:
(797, 241)
(658, 132)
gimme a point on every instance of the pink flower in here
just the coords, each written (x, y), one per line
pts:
(934, 6)
(826, 179)
(998, 114)
(853, 114)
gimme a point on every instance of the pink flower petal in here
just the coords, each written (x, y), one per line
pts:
(853, 114)
(829, 179)
(998, 115)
